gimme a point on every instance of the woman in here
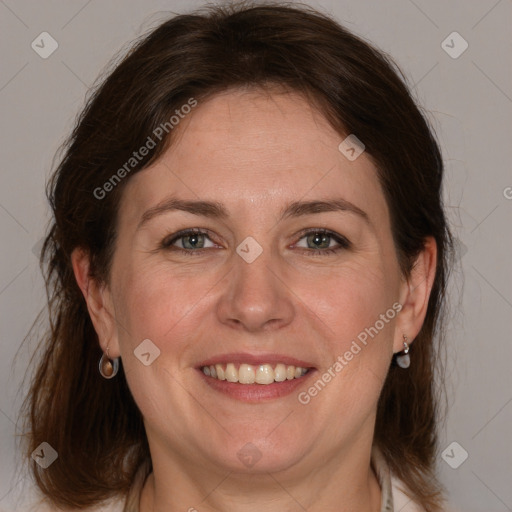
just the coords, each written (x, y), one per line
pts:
(246, 268)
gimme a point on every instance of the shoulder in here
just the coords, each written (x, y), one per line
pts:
(401, 501)
(119, 503)
(108, 506)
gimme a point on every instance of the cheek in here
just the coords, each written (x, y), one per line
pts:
(359, 308)
(159, 304)
(356, 305)
(350, 299)
(155, 304)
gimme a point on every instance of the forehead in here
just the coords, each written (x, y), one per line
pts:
(255, 149)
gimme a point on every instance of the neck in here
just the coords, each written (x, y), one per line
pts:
(340, 483)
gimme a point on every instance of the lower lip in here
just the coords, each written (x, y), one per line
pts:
(256, 392)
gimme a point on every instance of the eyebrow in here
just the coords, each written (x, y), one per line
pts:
(217, 210)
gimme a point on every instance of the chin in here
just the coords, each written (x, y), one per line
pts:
(255, 454)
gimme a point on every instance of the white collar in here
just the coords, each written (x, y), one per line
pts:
(381, 468)
(393, 490)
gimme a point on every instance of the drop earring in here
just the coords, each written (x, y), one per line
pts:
(403, 359)
(108, 367)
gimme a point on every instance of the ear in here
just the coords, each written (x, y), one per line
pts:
(99, 303)
(415, 293)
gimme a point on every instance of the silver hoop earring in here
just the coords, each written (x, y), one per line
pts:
(108, 367)
(403, 359)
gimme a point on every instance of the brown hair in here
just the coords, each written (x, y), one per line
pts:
(94, 424)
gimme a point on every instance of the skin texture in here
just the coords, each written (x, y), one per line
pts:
(256, 152)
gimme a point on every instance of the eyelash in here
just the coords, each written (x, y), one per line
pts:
(341, 240)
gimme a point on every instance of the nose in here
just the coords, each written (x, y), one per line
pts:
(257, 298)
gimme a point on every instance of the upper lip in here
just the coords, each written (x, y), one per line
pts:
(255, 359)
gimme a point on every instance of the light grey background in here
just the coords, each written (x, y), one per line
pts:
(469, 100)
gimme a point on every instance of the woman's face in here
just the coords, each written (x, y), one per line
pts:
(259, 285)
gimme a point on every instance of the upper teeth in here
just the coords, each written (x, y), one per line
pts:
(250, 374)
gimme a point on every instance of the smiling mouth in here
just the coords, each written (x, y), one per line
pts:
(254, 374)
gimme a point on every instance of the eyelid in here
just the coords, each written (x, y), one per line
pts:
(324, 231)
(343, 242)
(171, 239)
